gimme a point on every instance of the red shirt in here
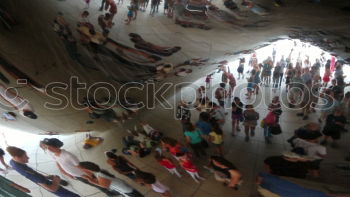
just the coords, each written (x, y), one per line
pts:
(167, 164)
(175, 149)
(188, 166)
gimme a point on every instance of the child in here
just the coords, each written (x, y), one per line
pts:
(231, 83)
(250, 86)
(275, 107)
(130, 15)
(189, 167)
(269, 121)
(240, 68)
(216, 138)
(250, 121)
(87, 3)
(237, 115)
(201, 92)
(327, 75)
(166, 163)
(208, 81)
(276, 75)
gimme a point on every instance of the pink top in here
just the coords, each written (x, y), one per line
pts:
(333, 63)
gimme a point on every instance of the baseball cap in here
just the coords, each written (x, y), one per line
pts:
(53, 142)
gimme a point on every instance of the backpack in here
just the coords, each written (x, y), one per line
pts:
(270, 119)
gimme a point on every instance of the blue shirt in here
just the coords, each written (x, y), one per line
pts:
(38, 178)
(204, 127)
(285, 188)
(29, 173)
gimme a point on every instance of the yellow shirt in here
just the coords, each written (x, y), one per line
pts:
(217, 139)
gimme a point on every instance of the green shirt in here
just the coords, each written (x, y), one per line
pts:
(195, 136)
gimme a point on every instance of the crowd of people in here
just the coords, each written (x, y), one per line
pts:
(207, 135)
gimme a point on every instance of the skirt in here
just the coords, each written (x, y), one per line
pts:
(326, 78)
(240, 69)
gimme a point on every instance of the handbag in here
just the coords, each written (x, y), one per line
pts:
(262, 123)
(276, 130)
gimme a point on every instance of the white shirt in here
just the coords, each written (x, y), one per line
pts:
(312, 150)
(218, 114)
(69, 163)
(160, 188)
(116, 184)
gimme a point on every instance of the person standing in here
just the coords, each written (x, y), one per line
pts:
(208, 79)
(327, 75)
(240, 68)
(194, 139)
(276, 75)
(283, 65)
(87, 2)
(167, 163)
(251, 118)
(183, 114)
(221, 94)
(204, 124)
(50, 183)
(130, 15)
(269, 121)
(216, 138)
(237, 115)
(112, 9)
(103, 3)
(106, 180)
(217, 114)
(166, 7)
(189, 167)
(121, 164)
(67, 163)
(231, 83)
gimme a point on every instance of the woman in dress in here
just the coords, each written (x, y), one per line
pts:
(327, 75)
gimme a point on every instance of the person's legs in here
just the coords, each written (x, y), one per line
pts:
(192, 174)
(221, 150)
(256, 89)
(252, 131)
(246, 131)
(174, 171)
(233, 127)
(237, 125)
(280, 80)
(196, 149)
(266, 131)
(102, 4)
(306, 111)
(197, 176)
(201, 149)
(267, 134)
